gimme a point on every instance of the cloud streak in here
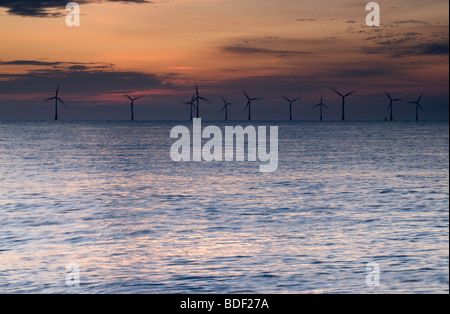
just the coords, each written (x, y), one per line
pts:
(30, 63)
(243, 50)
(88, 78)
(48, 8)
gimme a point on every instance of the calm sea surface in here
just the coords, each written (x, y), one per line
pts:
(106, 196)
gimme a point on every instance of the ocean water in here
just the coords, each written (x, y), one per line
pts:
(107, 197)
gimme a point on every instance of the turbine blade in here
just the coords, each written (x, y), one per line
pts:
(287, 99)
(338, 93)
(49, 99)
(204, 99)
(420, 98)
(128, 96)
(297, 99)
(57, 89)
(389, 96)
(59, 99)
(246, 95)
(351, 93)
(326, 106)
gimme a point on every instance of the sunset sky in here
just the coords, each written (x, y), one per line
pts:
(161, 49)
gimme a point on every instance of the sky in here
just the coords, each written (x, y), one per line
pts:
(271, 48)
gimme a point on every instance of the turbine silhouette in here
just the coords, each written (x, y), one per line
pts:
(343, 101)
(132, 105)
(321, 105)
(225, 107)
(56, 98)
(197, 99)
(290, 105)
(192, 104)
(391, 104)
(249, 105)
(418, 106)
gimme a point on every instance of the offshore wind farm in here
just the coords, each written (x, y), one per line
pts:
(194, 104)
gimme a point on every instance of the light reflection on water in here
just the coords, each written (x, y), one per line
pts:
(106, 196)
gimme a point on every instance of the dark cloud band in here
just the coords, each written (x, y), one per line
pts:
(48, 8)
(86, 77)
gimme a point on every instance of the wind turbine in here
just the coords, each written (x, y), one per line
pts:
(197, 99)
(290, 105)
(249, 105)
(225, 107)
(132, 105)
(56, 98)
(343, 101)
(418, 106)
(192, 104)
(321, 105)
(391, 104)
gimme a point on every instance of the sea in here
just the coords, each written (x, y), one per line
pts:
(99, 207)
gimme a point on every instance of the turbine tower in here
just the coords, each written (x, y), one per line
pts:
(391, 104)
(56, 98)
(192, 104)
(343, 101)
(197, 99)
(290, 105)
(132, 105)
(321, 105)
(225, 107)
(249, 105)
(418, 106)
